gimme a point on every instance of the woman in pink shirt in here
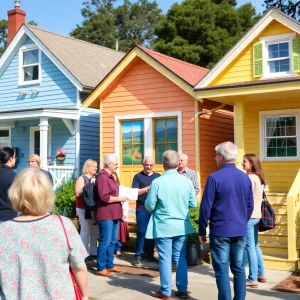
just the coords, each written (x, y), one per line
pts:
(252, 166)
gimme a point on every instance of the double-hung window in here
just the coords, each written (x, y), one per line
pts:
(279, 135)
(276, 56)
(30, 65)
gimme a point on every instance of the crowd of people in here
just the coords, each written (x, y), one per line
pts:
(39, 250)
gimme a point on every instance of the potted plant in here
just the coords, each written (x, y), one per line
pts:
(60, 154)
(193, 243)
(65, 204)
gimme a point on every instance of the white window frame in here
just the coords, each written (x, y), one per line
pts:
(262, 126)
(148, 129)
(276, 39)
(9, 130)
(31, 145)
(21, 69)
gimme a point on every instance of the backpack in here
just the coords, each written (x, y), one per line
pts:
(268, 220)
(88, 194)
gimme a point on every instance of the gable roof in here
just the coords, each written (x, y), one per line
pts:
(257, 28)
(183, 74)
(190, 73)
(87, 62)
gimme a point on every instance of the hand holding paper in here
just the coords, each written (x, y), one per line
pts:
(131, 194)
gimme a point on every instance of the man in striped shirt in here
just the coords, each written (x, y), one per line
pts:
(188, 173)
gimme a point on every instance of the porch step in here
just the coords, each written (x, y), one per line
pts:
(280, 263)
(276, 198)
(276, 249)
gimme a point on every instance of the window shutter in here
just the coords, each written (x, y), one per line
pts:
(296, 55)
(257, 60)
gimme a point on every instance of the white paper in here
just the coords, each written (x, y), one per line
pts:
(131, 194)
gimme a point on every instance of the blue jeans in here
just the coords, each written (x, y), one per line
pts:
(108, 230)
(225, 251)
(142, 219)
(118, 246)
(254, 255)
(173, 248)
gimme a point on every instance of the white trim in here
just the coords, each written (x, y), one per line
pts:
(22, 49)
(50, 113)
(276, 39)
(148, 121)
(271, 15)
(19, 39)
(77, 147)
(9, 130)
(70, 125)
(276, 113)
(31, 139)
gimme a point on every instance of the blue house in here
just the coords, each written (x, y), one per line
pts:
(44, 77)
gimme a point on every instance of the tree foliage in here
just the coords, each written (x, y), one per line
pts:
(130, 23)
(289, 7)
(202, 31)
(3, 34)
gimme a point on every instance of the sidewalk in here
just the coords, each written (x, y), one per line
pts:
(201, 285)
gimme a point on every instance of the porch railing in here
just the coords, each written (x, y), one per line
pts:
(293, 209)
(61, 174)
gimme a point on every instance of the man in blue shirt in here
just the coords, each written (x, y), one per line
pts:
(169, 200)
(142, 181)
(227, 203)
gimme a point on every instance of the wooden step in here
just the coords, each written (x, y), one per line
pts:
(280, 263)
(274, 249)
(276, 198)
(269, 238)
(279, 208)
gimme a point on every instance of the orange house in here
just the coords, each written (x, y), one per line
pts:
(148, 105)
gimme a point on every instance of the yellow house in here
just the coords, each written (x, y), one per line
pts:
(260, 77)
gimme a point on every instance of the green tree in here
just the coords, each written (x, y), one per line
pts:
(3, 34)
(130, 23)
(202, 31)
(289, 7)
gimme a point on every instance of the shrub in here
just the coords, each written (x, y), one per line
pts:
(65, 203)
(193, 238)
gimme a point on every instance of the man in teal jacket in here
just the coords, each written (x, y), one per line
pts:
(169, 200)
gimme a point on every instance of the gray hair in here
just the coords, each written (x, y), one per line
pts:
(109, 158)
(228, 150)
(170, 159)
(185, 155)
(147, 157)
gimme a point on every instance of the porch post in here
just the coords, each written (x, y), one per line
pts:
(43, 142)
(239, 113)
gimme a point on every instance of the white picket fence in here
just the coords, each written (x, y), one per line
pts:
(61, 174)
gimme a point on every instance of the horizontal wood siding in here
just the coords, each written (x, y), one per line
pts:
(89, 135)
(55, 89)
(214, 129)
(144, 90)
(279, 174)
(241, 68)
(61, 138)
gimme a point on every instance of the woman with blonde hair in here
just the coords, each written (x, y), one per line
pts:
(34, 161)
(88, 226)
(35, 257)
(252, 166)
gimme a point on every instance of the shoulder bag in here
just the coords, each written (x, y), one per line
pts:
(76, 288)
(268, 220)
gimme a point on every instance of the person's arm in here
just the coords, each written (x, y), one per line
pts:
(206, 206)
(104, 190)
(79, 186)
(250, 201)
(196, 183)
(151, 199)
(192, 198)
(81, 278)
(136, 185)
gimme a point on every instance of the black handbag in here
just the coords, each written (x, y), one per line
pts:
(268, 219)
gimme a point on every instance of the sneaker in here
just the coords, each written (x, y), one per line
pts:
(153, 259)
(262, 279)
(137, 262)
(251, 284)
(160, 295)
(181, 295)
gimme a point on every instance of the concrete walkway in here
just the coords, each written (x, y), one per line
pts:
(201, 285)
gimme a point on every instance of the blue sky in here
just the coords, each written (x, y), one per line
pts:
(61, 16)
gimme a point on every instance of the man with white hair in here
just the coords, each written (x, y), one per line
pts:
(227, 203)
(169, 200)
(143, 181)
(187, 172)
(108, 214)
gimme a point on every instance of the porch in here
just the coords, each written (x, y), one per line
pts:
(61, 174)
